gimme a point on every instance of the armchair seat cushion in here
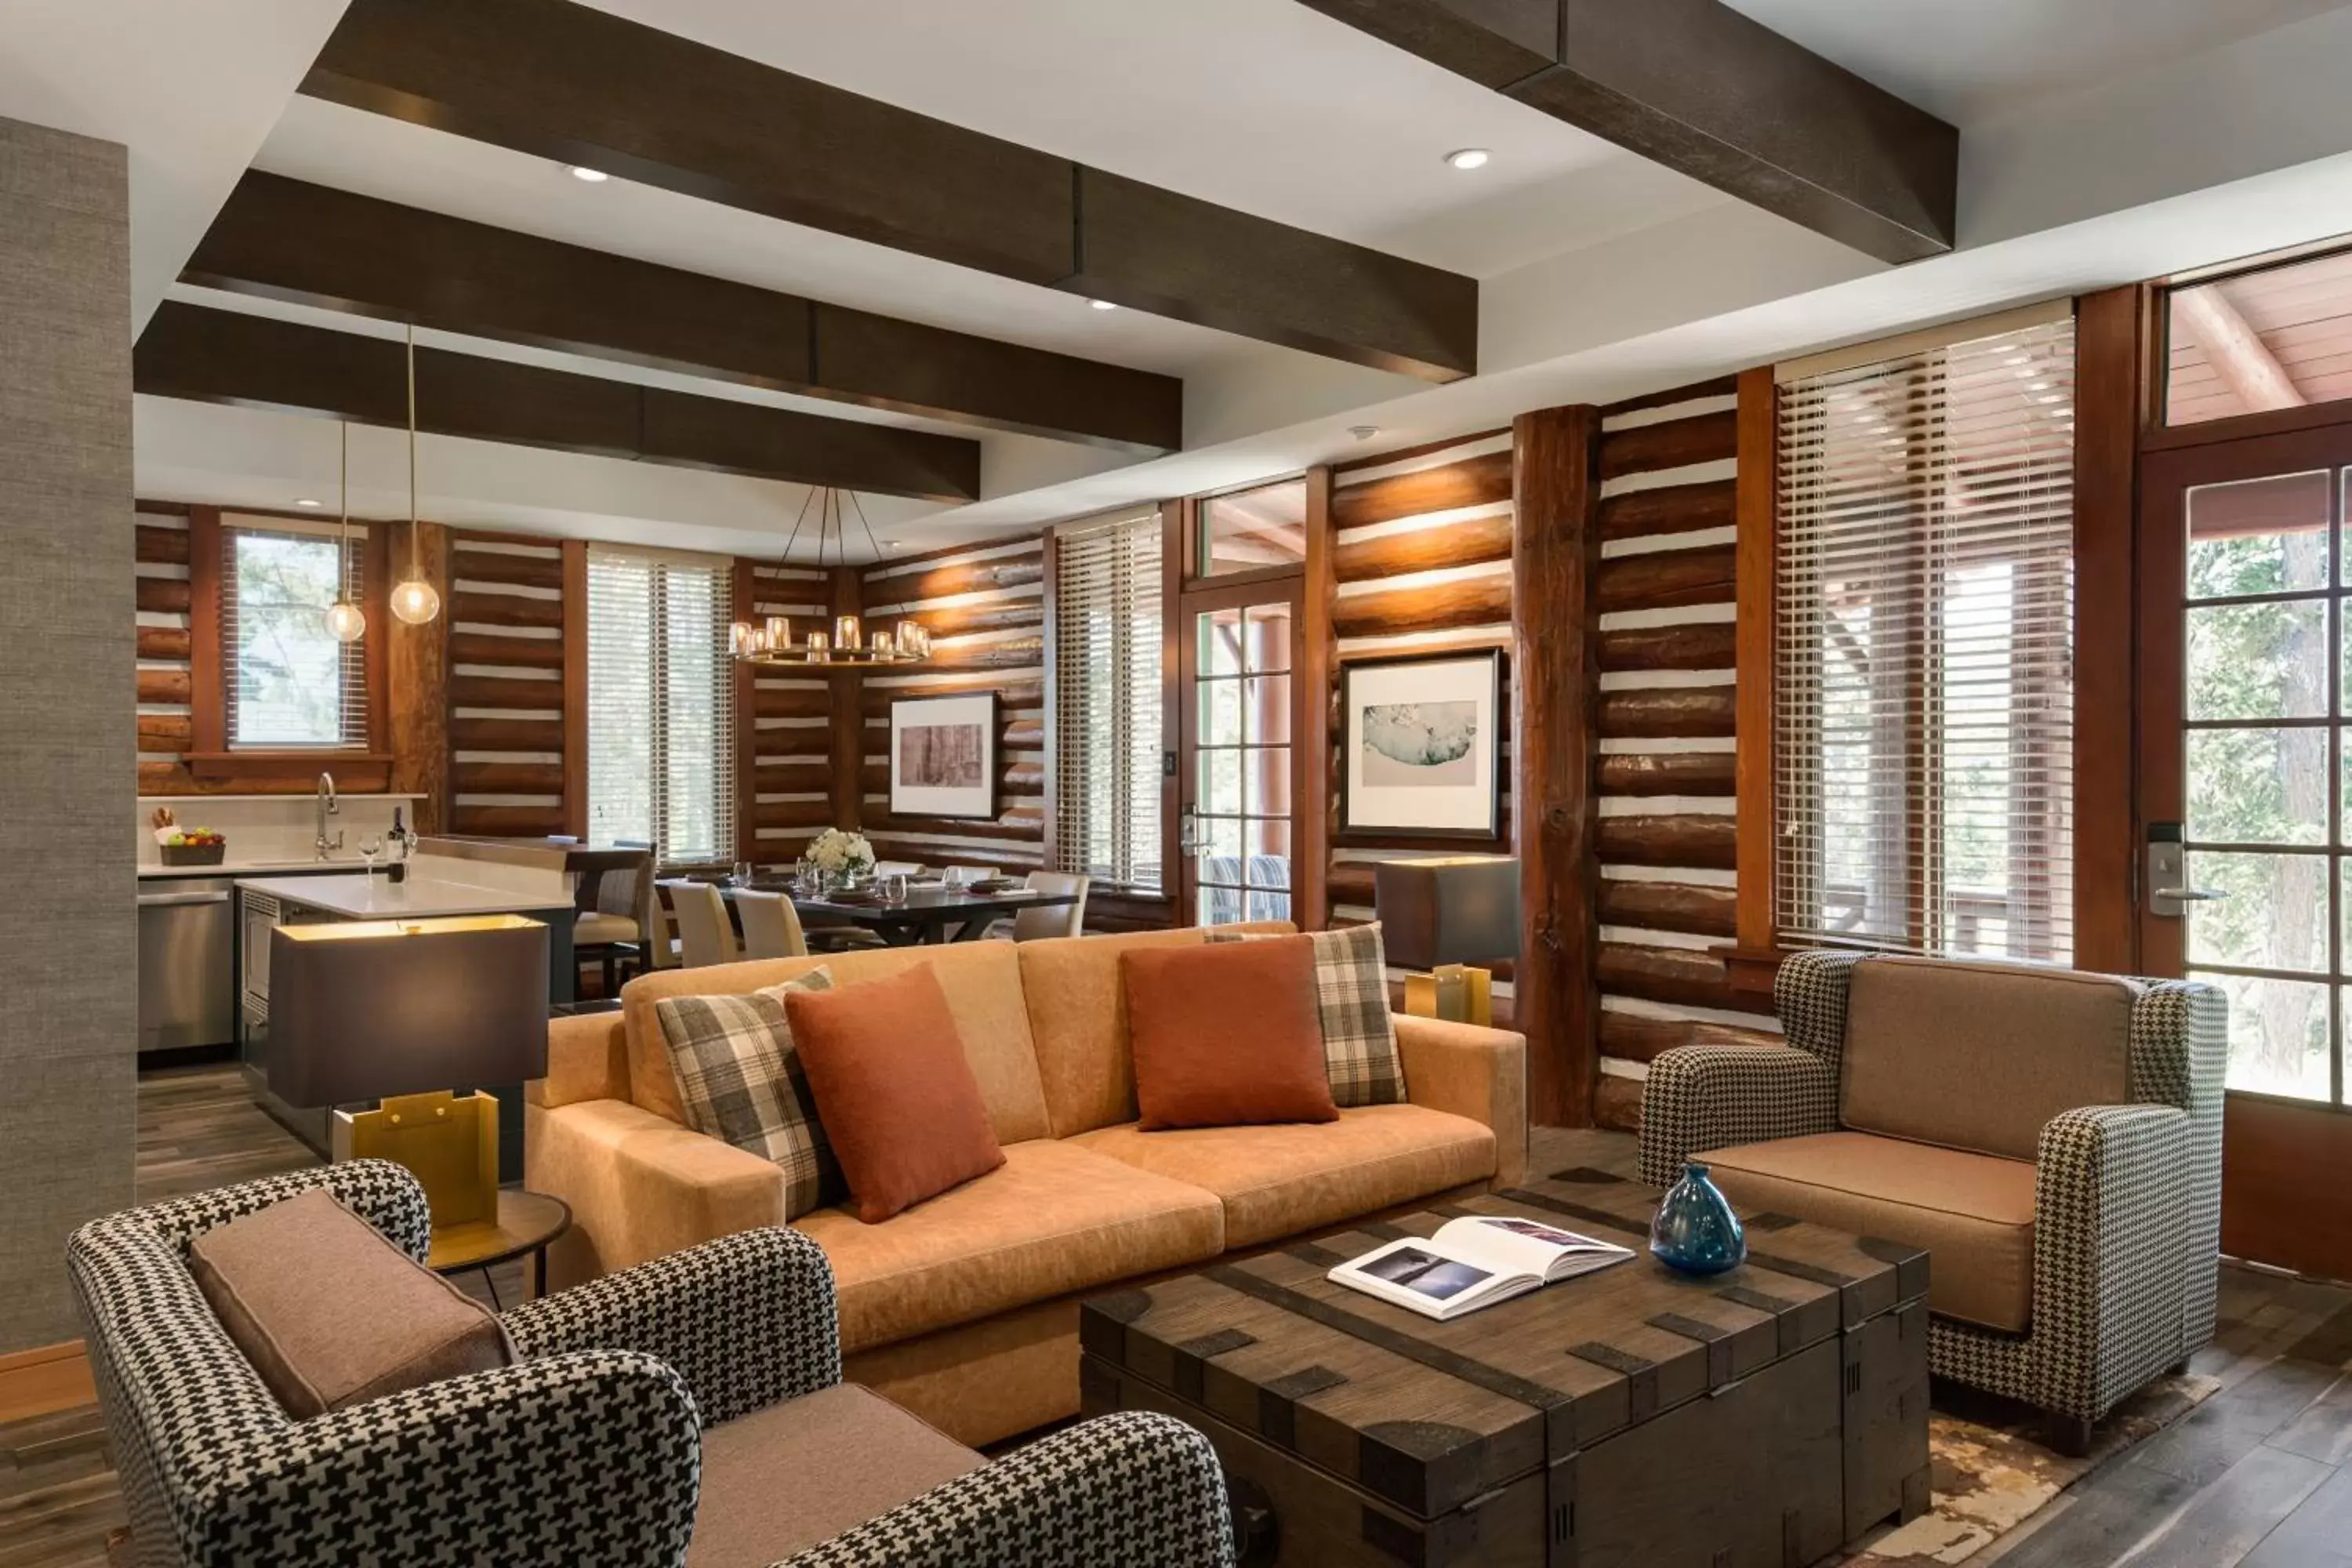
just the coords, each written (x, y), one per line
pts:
(782, 1480)
(1973, 1213)
(1051, 1220)
(593, 930)
(1280, 1180)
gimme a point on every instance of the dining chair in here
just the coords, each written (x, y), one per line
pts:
(960, 876)
(898, 869)
(613, 926)
(1056, 919)
(706, 936)
(772, 927)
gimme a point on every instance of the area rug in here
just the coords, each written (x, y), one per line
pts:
(1989, 1477)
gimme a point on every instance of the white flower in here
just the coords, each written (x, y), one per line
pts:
(834, 850)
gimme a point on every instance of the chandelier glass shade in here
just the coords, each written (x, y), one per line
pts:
(768, 641)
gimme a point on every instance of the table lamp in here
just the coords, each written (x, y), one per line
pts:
(1448, 917)
(397, 1011)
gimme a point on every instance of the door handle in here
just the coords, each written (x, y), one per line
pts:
(2169, 892)
(1187, 834)
(2189, 895)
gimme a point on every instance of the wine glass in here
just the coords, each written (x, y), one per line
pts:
(370, 847)
(742, 873)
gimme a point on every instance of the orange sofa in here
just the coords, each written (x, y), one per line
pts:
(964, 1308)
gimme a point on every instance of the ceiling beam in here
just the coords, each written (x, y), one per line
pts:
(577, 85)
(1710, 93)
(255, 362)
(285, 239)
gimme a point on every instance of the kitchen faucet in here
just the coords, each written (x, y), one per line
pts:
(326, 808)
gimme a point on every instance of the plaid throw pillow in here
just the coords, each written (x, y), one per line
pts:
(741, 1080)
(1351, 995)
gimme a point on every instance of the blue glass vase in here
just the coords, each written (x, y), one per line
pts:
(1695, 1231)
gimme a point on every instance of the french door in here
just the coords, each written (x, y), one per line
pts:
(2245, 567)
(1240, 644)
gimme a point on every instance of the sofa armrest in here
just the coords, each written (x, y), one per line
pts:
(1474, 1072)
(2112, 1244)
(1710, 1097)
(748, 1320)
(1135, 1488)
(640, 1185)
(587, 1058)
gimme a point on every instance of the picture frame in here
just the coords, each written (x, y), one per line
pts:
(1421, 746)
(943, 756)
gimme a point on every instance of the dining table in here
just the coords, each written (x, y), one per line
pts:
(929, 913)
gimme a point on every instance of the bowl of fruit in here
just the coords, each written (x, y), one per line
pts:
(187, 846)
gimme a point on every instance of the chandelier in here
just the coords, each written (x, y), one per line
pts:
(770, 640)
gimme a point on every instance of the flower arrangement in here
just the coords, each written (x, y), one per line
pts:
(836, 852)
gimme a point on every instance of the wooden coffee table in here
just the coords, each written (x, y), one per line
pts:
(1758, 1419)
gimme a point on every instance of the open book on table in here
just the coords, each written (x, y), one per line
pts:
(1474, 1261)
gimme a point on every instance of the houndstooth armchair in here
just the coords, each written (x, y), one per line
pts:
(2113, 1205)
(589, 1449)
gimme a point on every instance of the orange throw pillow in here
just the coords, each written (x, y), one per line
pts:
(897, 1099)
(1226, 1033)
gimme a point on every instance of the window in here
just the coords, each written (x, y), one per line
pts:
(2266, 339)
(1924, 692)
(661, 704)
(1252, 531)
(289, 684)
(1107, 631)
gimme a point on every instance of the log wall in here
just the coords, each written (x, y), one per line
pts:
(166, 720)
(507, 620)
(789, 731)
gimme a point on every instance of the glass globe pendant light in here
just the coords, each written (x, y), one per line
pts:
(346, 622)
(414, 600)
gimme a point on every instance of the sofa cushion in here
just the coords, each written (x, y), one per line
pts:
(1925, 1036)
(983, 980)
(330, 1313)
(1351, 1002)
(740, 1079)
(783, 1480)
(1973, 1212)
(1053, 1219)
(1226, 1033)
(1277, 1181)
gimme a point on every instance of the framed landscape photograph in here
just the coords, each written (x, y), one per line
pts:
(943, 756)
(1422, 742)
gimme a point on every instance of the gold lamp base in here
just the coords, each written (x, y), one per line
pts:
(449, 1144)
(1455, 992)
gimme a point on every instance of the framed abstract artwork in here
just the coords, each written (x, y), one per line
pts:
(1421, 744)
(943, 756)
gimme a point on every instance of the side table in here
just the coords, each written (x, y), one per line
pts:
(527, 1223)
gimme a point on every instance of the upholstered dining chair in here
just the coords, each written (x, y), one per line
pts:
(772, 927)
(693, 1405)
(615, 924)
(705, 935)
(1053, 921)
(898, 868)
(963, 876)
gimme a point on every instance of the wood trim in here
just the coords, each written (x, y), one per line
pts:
(1175, 531)
(356, 772)
(375, 651)
(575, 687)
(45, 1380)
(1758, 553)
(1049, 546)
(1554, 676)
(1310, 687)
(846, 689)
(2154, 437)
(207, 671)
(2110, 343)
(743, 595)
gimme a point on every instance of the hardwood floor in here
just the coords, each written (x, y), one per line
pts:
(2258, 1476)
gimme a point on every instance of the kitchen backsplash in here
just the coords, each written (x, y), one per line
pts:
(273, 827)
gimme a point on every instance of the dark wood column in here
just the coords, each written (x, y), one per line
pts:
(575, 687)
(848, 688)
(417, 674)
(1556, 556)
(1311, 903)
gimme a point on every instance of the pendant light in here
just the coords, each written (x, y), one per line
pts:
(414, 600)
(346, 622)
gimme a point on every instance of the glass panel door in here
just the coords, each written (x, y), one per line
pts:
(1239, 767)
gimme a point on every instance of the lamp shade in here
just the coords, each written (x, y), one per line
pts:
(1458, 909)
(366, 1009)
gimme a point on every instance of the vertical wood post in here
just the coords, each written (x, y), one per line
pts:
(743, 596)
(1311, 793)
(575, 687)
(1556, 554)
(1757, 552)
(206, 666)
(416, 670)
(1174, 878)
(1049, 545)
(846, 687)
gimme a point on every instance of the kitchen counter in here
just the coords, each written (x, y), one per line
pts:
(307, 865)
(366, 898)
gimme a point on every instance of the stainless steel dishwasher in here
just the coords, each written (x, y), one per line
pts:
(187, 988)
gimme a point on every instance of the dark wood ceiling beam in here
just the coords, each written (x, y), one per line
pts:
(577, 85)
(286, 239)
(226, 356)
(1709, 92)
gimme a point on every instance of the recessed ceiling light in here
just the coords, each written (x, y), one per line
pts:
(309, 501)
(1468, 158)
(594, 176)
(1363, 432)
(1104, 304)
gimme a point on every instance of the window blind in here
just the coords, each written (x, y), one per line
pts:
(1924, 629)
(661, 704)
(287, 683)
(1107, 736)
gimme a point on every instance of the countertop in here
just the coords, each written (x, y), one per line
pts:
(307, 865)
(364, 897)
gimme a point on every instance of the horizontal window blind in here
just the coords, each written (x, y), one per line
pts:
(1106, 736)
(1924, 630)
(661, 704)
(287, 683)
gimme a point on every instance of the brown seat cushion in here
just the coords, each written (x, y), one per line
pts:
(1974, 1213)
(1927, 1038)
(783, 1480)
(331, 1314)
(1226, 1032)
(1054, 1219)
(1280, 1180)
(898, 1102)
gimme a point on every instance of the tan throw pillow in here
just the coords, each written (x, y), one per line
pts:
(740, 1080)
(331, 1314)
(1225, 1034)
(1352, 1004)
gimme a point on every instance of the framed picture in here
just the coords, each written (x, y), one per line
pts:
(943, 756)
(1422, 740)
